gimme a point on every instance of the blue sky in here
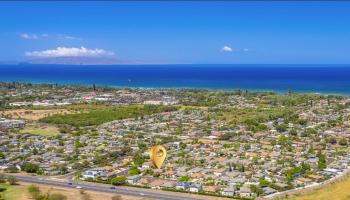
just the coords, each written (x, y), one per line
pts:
(267, 32)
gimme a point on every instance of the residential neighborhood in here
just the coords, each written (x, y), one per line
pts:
(236, 144)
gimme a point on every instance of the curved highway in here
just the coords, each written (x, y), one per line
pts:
(108, 188)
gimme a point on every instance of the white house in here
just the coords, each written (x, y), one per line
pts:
(93, 174)
(195, 187)
(229, 191)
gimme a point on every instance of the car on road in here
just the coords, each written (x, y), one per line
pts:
(112, 188)
(79, 187)
(142, 194)
(70, 183)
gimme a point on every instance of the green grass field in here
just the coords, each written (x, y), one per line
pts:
(95, 115)
(48, 131)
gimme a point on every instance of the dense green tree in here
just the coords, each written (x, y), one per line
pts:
(282, 127)
(321, 161)
(343, 142)
(183, 145)
(138, 159)
(256, 189)
(184, 179)
(30, 167)
(263, 182)
(282, 140)
(119, 180)
(134, 171)
(293, 132)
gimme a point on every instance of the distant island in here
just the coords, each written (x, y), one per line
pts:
(73, 60)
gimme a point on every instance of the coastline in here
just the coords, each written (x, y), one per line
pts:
(323, 79)
(187, 88)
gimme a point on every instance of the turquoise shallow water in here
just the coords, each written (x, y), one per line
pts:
(303, 78)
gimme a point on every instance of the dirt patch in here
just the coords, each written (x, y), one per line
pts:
(33, 114)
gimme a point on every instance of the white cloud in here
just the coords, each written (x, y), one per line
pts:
(29, 36)
(226, 49)
(69, 52)
(245, 50)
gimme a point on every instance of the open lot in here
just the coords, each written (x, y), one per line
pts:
(33, 114)
(40, 129)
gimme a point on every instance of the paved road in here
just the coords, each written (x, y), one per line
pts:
(105, 188)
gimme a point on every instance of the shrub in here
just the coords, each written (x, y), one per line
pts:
(57, 196)
(2, 178)
(343, 142)
(34, 191)
(12, 180)
(11, 169)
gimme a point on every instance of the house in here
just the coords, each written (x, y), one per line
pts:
(144, 181)
(268, 190)
(228, 191)
(93, 174)
(169, 173)
(196, 187)
(245, 192)
(197, 175)
(211, 189)
(281, 185)
(133, 179)
(11, 123)
(182, 185)
(156, 183)
(302, 180)
(146, 165)
(237, 181)
(168, 184)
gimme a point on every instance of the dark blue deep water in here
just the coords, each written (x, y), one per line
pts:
(280, 78)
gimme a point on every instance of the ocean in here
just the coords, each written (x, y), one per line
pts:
(327, 79)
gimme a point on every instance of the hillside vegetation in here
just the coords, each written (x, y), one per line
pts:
(336, 191)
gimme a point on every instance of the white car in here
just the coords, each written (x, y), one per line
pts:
(79, 187)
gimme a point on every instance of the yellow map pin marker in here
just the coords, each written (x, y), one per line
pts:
(157, 155)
